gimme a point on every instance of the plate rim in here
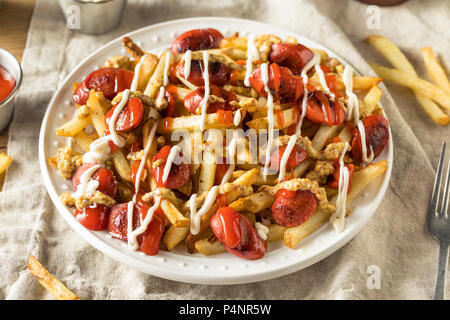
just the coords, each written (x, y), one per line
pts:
(177, 274)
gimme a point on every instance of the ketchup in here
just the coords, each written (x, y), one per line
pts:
(7, 84)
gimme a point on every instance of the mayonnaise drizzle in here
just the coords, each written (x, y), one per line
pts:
(252, 55)
(187, 63)
(133, 234)
(323, 81)
(118, 140)
(144, 158)
(137, 72)
(204, 102)
(173, 153)
(232, 153)
(311, 63)
(353, 104)
(207, 205)
(338, 217)
(362, 132)
(99, 150)
(87, 187)
(237, 118)
(285, 157)
(262, 230)
(270, 120)
(162, 89)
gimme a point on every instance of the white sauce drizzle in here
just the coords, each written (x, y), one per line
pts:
(99, 150)
(262, 230)
(207, 205)
(144, 158)
(315, 60)
(323, 81)
(187, 63)
(237, 118)
(87, 186)
(285, 157)
(362, 132)
(204, 102)
(270, 120)
(118, 140)
(132, 235)
(353, 104)
(232, 147)
(338, 217)
(173, 153)
(162, 89)
(252, 55)
(137, 72)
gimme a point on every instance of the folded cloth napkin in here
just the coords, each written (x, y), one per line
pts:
(395, 241)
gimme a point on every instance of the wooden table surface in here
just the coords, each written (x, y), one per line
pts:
(15, 16)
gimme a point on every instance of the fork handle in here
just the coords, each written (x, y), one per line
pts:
(442, 267)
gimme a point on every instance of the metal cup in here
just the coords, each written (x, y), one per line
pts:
(10, 64)
(92, 17)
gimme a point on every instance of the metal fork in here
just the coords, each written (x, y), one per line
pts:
(439, 223)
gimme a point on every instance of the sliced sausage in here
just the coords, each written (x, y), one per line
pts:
(322, 110)
(292, 208)
(107, 182)
(333, 180)
(237, 235)
(197, 39)
(110, 81)
(219, 74)
(292, 56)
(284, 86)
(297, 156)
(130, 117)
(377, 136)
(179, 173)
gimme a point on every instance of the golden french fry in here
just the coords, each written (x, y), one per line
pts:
(49, 282)
(5, 162)
(235, 43)
(253, 203)
(191, 123)
(174, 235)
(276, 232)
(175, 217)
(98, 107)
(421, 86)
(122, 166)
(435, 70)
(282, 119)
(81, 120)
(207, 248)
(83, 140)
(370, 101)
(393, 54)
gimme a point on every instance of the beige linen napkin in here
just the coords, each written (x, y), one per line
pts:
(395, 240)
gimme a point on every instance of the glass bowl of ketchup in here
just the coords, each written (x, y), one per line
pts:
(10, 79)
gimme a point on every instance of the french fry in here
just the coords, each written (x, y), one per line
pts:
(259, 180)
(132, 48)
(97, 108)
(83, 140)
(435, 70)
(75, 125)
(370, 101)
(48, 281)
(147, 69)
(207, 248)
(5, 162)
(156, 80)
(359, 83)
(393, 54)
(276, 232)
(361, 179)
(121, 165)
(214, 56)
(191, 123)
(253, 203)
(421, 86)
(173, 215)
(282, 119)
(174, 235)
(235, 43)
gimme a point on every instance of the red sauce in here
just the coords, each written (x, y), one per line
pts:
(225, 117)
(167, 123)
(280, 118)
(7, 84)
(222, 200)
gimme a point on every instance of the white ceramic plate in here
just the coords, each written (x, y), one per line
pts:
(179, 265)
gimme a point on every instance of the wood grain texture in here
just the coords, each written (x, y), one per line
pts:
(15, 16)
